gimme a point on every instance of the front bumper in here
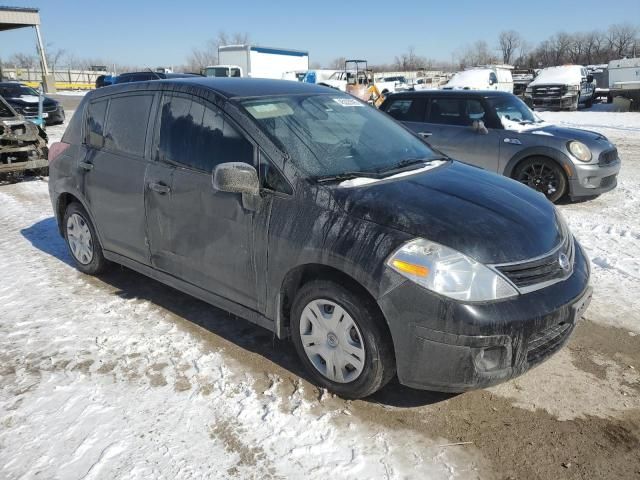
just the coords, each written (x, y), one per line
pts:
(593, 179)
(449, 346)
(560, 103)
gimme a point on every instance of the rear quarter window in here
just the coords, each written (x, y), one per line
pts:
(126, 125)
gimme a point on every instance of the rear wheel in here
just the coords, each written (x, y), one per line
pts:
(544, 175)
(341, 339)
(82, 240)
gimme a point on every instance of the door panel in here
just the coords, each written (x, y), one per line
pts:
(113, 179)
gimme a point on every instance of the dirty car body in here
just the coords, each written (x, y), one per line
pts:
(320, 218)
(23, 145)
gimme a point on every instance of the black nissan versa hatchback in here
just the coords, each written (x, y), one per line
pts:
(318, 217)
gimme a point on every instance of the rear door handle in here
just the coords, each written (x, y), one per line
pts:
(86, 166)
(159, 187)
(425, 134)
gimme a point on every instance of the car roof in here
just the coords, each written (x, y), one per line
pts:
(452, 93)
(231, 87)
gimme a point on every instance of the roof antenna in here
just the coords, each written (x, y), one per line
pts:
(155, 73)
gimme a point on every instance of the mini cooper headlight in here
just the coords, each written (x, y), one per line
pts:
(580, 151)
(448, 272)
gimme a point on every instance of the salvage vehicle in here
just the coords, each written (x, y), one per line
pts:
(482, 78)
(320, 218)
(222, 71)
(522, 77)
(23, 144)
(128, 77)
(24, 100)
(498, 132)
(392, 84)
(561, 88)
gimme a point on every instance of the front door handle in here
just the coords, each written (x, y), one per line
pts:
(86, 166)
(425, 134)
(159, 187)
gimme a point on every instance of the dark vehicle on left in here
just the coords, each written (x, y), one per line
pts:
(23, 144)
(24, 100)
(149, 75)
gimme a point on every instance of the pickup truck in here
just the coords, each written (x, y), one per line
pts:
(561, 88)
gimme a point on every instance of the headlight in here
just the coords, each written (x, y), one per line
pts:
(573, 88)
(448, 272)
(579, 150)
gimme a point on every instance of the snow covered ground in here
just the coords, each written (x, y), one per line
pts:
(121, 377)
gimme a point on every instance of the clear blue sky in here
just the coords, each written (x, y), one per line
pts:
(163, 32)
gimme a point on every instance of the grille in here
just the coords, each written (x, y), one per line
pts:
(34, 109)
(547, 268)
(547, 341)
(607, 158)
(550, 91)
(608, 181)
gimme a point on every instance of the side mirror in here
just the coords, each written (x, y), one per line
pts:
(589, 78)
(238, 177)
(478, 127)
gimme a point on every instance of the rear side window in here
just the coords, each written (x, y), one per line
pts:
(407, 109)
(96, 114)
(126, 125)
(198, 137)
(456, 111)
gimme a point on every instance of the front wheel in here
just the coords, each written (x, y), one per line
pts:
(82, 240)
(544, 175)
(341, 339)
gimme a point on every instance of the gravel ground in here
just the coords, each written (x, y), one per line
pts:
(122, 377)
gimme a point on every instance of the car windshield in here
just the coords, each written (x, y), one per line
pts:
(511, 109)
(335, 134)
(14, 91)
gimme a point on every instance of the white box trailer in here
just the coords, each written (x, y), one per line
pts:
(624, 80)
(263, 62)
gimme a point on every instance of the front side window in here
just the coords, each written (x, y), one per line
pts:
(456, 111)
(197, 136)
(510, 109)
(126, 125)
(332, 134)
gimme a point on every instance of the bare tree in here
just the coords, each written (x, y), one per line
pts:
(208, 55)
(53, 55)
(337, 63)
(22, 60)
(477, 54)
(410, 61)
(510, 41)
(622, 38)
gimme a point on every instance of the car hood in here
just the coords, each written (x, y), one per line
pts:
(488, 217)
(27, 100)
(552, 130)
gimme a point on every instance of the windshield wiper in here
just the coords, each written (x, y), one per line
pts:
(346, 176)
(407, 164)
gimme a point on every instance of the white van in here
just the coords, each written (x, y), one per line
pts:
(482, 78)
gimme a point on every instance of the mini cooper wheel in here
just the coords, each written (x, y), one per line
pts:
(82, 240)
(544, 175)
(341, 339)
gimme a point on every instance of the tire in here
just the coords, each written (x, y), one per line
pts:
(609, 99)
(368, 337)
(86, 253)
(589, 103)
(544, 175)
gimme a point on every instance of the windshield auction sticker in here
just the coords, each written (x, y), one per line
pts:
(348, 102)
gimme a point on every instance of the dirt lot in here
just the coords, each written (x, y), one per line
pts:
(120, 376)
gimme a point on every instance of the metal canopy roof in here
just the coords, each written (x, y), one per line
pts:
(18, 17)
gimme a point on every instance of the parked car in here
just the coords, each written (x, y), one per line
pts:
(522, 77)
(24, 101)
(222, 71)
(317, 76)
(428, 83)
(484, 78)
(316, 216)
(104, 80)
(498, 132)
(561, 88)
(149, 75)
(393, 84)
(23, 144)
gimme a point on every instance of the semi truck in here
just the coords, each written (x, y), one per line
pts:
(258, 62)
